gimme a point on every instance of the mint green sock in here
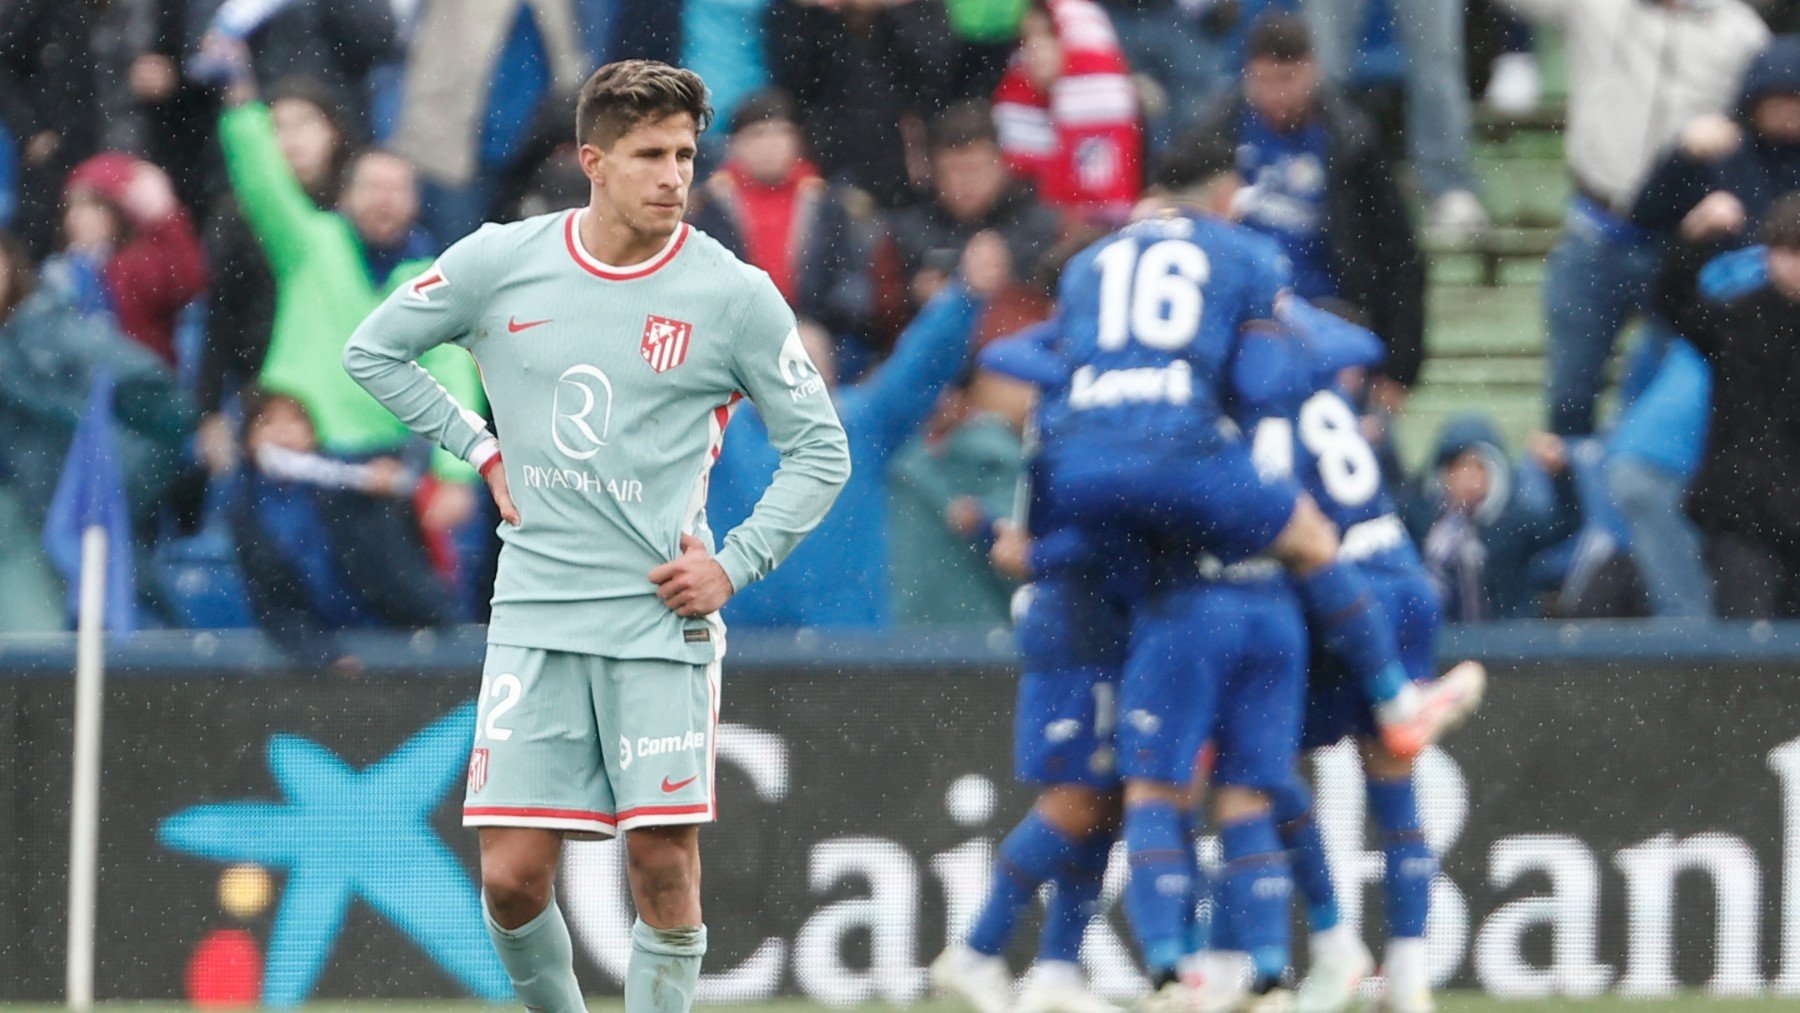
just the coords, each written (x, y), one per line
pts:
(539, 957)
(665, 966)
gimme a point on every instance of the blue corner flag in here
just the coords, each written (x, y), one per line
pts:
(91, 493)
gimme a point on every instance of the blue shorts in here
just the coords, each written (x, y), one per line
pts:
(1214, 662)
(1335, 703)
(1174, 503)
(1072, 638)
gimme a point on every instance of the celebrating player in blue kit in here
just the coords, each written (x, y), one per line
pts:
(1320, 441)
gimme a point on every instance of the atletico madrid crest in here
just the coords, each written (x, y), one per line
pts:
(478, 770)
(665, 343)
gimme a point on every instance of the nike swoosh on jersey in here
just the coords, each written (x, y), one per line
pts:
(513, 324)
(678, 785)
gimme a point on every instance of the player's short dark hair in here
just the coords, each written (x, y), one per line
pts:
(1781, 227)
(624, 94)
(962, 125)
(1279, 37)
(1194, 161)
(770, 105)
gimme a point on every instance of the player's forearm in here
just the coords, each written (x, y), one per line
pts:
(417, 399)
(811, 475)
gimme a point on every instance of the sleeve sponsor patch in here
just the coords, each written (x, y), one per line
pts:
(420, 288)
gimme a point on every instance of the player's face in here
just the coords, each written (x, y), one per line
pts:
(306, 136)
(1784, 271)
(1281, 90)
(381, 199)
(643, 177)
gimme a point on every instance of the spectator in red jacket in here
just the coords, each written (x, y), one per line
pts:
(129, 250)
(1067, 111)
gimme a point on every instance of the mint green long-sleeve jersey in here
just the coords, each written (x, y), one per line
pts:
(611, 389)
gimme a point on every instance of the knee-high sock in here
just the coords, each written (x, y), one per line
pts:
(1256, 888)
(664, 968)
(1410, 864)
(1299, 833)
(1075, 899)
(540, 960)
(1342, 610)
(1161, 886)
(1029, 856)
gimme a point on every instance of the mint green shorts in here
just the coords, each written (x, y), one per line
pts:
(592, 745)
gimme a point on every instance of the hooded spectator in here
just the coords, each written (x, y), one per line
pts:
(129, 249)
(769, 205)
(1067, 111)
(1319, 183)
(1720, 180)
(1746, 499)
(1480, 520)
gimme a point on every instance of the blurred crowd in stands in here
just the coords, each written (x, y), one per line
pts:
(201, 198)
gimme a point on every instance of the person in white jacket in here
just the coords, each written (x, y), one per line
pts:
(1640, 71)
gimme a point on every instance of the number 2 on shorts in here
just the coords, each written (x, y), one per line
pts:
(507, 689)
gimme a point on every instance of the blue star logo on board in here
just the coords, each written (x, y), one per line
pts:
(340, 834)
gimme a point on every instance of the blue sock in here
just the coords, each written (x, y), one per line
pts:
(1410, 864)
(1075, 899)
(1031, 854)
(1256, 887)
(1162, 875)
(1199, 903)
(1293, 813)
(1343, 612)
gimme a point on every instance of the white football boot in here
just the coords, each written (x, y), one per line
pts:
(983, 983)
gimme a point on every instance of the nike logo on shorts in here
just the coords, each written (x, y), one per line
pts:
(513, 324)
(674, 786)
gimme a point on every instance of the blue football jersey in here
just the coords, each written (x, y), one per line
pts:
(1148, 322)
(1333, 461)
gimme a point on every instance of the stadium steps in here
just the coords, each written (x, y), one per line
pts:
(1484, 353)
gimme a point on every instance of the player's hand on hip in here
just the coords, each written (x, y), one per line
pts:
(494, 473)
(694, 584)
